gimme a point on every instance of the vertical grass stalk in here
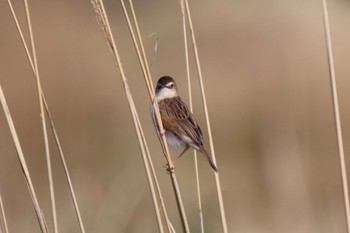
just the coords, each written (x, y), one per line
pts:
(149, 83)
(43, 121)
(217, 178)
(200, 211)
(104, 23)
(145, 157)
(65, 167)
(155, 179)
(23, 164)
(60, 150)
(147, 75)
(336, 113)
(3, 216)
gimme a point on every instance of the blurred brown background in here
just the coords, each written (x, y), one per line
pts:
(268, 91)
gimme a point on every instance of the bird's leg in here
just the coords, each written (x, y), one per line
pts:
(169, 169)
(183, 152)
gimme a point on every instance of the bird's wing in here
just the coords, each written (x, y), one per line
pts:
(180, 119)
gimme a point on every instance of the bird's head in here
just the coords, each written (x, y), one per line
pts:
(166, 88)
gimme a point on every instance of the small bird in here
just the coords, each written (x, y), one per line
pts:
(181, 128)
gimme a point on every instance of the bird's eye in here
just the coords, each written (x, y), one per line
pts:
(170, 85)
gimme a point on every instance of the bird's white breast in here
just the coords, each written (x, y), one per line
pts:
(166, 93)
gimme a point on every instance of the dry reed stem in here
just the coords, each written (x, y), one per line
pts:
(217, 178)
(43, 121)
(143, 67)
(145, 157)
(336, 113)
(150, 88)
(77, 211)
(63, 160)
(23, 164)
(104, 23)
(155, 179)
(147, 75)
(198, 188)
(3, 216)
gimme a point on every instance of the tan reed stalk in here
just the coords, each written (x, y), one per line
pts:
(43, 121)
(145, 72)
(166, 217)
(77, 211)
(149, 83)
(336, 113)
(148, 79)
(143, 67)
(145, 157)
(217, 178)
(104, 23)
(23, 164)
(3, 216)
(200, 210)
(63, 160)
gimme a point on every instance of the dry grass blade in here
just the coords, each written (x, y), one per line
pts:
(51, 123)
(183, 12)
(336, 113)
(63, 160)
(149, 160)
(149, 85)
(3, 216)
(43, 121)
(217, 178)
(147, 76)
(23, 163)
(148, 79)
(104, 23)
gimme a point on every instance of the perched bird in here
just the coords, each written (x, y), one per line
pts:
(181, 128)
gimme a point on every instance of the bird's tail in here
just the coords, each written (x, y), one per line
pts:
(211, 163)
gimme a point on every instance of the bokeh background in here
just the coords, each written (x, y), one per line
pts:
(267, 83)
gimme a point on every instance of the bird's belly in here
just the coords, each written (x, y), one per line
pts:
(174, 142)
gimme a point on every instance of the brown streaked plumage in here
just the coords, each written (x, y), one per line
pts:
(181, 128)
